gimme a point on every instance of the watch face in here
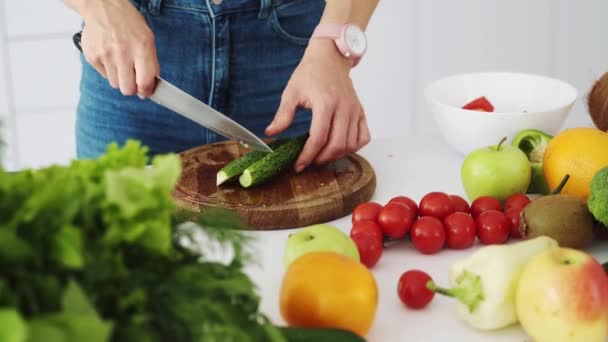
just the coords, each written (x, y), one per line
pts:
(355, 39)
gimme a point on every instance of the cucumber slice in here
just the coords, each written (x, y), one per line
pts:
(234, 169)
(294, 334)
(273, 163)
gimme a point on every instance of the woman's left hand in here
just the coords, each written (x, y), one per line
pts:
(322, 83)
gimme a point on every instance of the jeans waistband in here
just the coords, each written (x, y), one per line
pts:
(217, 7)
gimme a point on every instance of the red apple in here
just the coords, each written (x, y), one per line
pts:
(563, 293)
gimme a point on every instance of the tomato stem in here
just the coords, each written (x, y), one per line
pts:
(387, 241)
(561, 185)
(500, 143)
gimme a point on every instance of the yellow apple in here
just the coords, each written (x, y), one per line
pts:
(562, 295)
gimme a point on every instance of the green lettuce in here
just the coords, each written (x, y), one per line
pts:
(95, 251)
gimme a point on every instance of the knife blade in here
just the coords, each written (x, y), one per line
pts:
(177, 100)
(170, 96)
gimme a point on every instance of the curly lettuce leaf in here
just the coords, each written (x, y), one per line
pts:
(13, 249)
(69, 247)
(12, 326)
(91, 252)
(138, 204)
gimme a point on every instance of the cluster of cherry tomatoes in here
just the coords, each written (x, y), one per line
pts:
(438, 221)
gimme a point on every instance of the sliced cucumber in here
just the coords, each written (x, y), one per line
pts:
(294, 334)
(234, 169)
(273, 163)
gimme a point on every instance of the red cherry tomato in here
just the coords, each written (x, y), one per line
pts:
(367, 227)
(366, 211)
(493, 227)
(512, 215)
(412, 289)
(436, 204)
(369, 246)
(460, 230)
(428, 235)
(481, 104)
(483, 203)
(460, 204)
(395, 220)
(405, 201)
(517, 200)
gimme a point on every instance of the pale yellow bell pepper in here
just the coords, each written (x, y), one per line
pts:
(484, 284)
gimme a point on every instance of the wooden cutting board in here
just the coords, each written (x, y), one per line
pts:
(316, 195)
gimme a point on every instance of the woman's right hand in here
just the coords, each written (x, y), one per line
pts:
(118, 43)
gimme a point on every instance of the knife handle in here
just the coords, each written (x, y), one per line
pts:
(76, 38)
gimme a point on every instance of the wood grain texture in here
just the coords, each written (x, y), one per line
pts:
(317, 195)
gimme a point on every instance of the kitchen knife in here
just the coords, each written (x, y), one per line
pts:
(169, 96)
(177, 100)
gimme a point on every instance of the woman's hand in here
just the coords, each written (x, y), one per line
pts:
(118, 43)
(322, 83)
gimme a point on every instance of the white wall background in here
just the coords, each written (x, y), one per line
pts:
(411, 43)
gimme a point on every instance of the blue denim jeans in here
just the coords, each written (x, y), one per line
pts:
(236, 56)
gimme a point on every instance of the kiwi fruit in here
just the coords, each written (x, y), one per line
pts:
(564, 218)
(597, 103)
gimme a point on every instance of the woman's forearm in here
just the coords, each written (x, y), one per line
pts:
(88, 8)
(349, 11)
(80, 6)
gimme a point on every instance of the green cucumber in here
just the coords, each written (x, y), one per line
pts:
(273, 163)
(294, 334)
(234, 169)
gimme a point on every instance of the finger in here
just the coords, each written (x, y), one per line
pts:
(95, 60)
(93, 56)
(319, 130)
(145, 72)
(285, 114)
(126, 77)
(146, 68)
(352, 142)
(111, 74)
(364, 134)
(336, 144)
(99, 67)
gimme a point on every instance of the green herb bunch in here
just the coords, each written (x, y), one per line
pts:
(93, 251)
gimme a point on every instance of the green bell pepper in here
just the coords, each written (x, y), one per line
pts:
(533, 143)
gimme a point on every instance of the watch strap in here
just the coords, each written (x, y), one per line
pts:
(335, 32)
(328, 31)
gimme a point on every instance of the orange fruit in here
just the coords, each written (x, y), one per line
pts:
(329, 290)
(579, 152)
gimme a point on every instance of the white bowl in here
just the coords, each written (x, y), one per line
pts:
(521, 101)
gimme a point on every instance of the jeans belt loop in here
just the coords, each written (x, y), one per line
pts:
(154, 7)
(264, 9)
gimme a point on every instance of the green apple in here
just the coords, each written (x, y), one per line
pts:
(562, 295)
(319, 238)
(498, 171)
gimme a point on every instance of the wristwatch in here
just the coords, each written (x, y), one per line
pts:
(349, 38)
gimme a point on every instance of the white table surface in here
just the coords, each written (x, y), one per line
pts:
(411, 167)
